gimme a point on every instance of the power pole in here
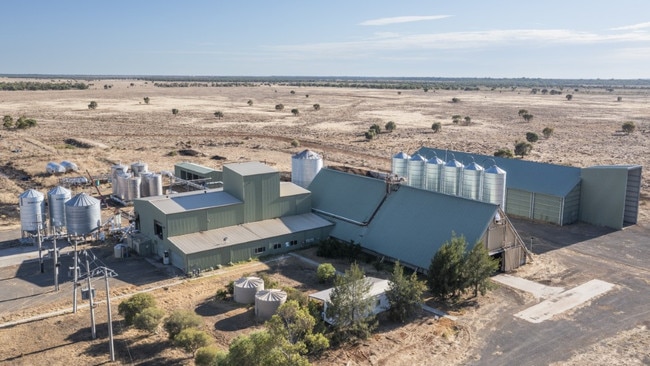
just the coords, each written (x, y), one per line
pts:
(76, 278)
(107, 272)
(90, 297)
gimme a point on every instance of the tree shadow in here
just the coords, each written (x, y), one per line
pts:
(216, 307)
(236, 322)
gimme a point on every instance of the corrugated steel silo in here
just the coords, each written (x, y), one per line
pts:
(304, 167)
(245, 288)
(132, 188)
(56, 199)
(452, 173)
(415, 171)
(139, 168)
(116, 170)
(32, 210)
(144, 184)
(155, 184)
(400, 164)
(82, 214)
(267, 303)
(433, 173)
(122, 185)
(494, 186)
(472, 184)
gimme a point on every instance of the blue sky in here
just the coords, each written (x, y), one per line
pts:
(482, 38)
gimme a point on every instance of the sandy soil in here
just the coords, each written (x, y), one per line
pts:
(125, 129)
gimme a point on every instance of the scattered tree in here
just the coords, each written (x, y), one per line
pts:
(390, 126)
(445, 276)
(375, 127)
(7, 122)
(468, 120)
(306, 95)
(569, 96)
(404, 294)
(628, 127)
(399, 93)
(295, 143)
(174, 111)
(92, 105)
(503, 153)
(279, 107)
(436, 127)
(522, 112)
(179, 320)
(209, 356)
(263, 348)
(146, 100)
(478, 268)
(547, 132)
(455, 100)
(527, 117)
(325, 272)
(295, 111)
(292, 92)
(149, 319)
(218, 114)
(532, 137)
(370, 134)
(132, 306)
(523, 148)
(455, 119)
(191, 339)
(250, 102)
(316, 107)
(619, 99)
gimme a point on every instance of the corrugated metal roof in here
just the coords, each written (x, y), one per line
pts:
(203, 170)
(306, 154)
(82, 199)
(244, 233)
(291, 189)
(378, 286)
(530, 176)
(250, 168)
(186, 201)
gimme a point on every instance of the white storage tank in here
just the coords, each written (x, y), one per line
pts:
(54, 168)
(132, 188)
(56, 199)
(415, 171)
(245, 288)
(122, 185)
(304, 167)
(32, 210)
(494, 186)
(139, 168)
(433, 174)
(400, 164)
(452, 173)
(144, 184)
(267, 303)
(116, 170)
(155, 184)
(69, 166)
(120, 251)
(82, 214)
(472, 185)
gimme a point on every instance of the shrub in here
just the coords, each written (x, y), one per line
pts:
(295, 111)
(455, 100)
(146, 100)
(250, 102)
(179, 320)
(295, 143)
(130, 307)
(370, 134)
(268, 281)
(375, 127)
(455, 119)
(190, 339)
(468, 120)
(325, 272)
(523, 148)
(279, 107)
(149, 319)
(296, 295)
(92, 105)
(527, 117)
(547, 132)
(209, 356)
(619, 99)
(292, 92)
(218, 114)
(316, 107)
(569, 97)
(436, 127)
(7, 122)
(532, 137)
(503, 153)
(174, 111)
(390, 126)
(221, 295)
(230, 287)
(628, 127)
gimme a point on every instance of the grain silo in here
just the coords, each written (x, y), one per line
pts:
(415, 171)
(245, 288)
(267, 303)
(472, 183)
(82, 214)
(116, 170)
(155, 184)
(139, 168)
(32, 210)
(144, 184)
(304, 167)
(494, 186)
(400, 164)
(452, 173)
(132, 188)
(122, 184)
(56, 199)
(433, 174)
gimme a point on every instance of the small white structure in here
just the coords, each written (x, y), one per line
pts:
(378, 288)
(245, 288)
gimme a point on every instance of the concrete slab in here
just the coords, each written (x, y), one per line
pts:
(562, 302)
(537, 289)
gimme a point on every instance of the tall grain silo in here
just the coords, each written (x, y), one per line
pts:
(32, 210)
(267, 303)
(452, 173)
(155, 184)
(304, 167)
(245, 288)
(82, 214)
(132, 188)
(56, 199)
(139, 168)
(472, 184)
(399, 164)
(494, 186)
(433, 174)
(415, 171)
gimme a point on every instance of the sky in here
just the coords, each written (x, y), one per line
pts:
(578, 39)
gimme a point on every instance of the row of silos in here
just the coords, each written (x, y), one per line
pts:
(248, 290)
(80, 214)
(452, 177)
(135, 181)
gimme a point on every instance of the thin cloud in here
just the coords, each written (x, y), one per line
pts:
(405, 19)
(633, 26)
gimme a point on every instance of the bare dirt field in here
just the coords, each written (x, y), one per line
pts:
(123, 128)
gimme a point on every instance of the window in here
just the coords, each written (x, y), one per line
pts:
(260, 250)
(293, 242)
(277, 245)
(158, 229)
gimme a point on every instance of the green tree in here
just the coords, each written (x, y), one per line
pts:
(375, 127)
(351, 306)
(468, 120)
(527, 117)
(390, 126)
(264, 348)
(209, 356)
(295, 143)
(191, 339)
(146, 100)
(92, 105)
(547, 132)
(291, 322)
(7, 122)
(478, 267)
(149, 319)
(436, 127)
(279, 107)
(295, 111)
(455, 100)
(218, 114)
(532, 137)
(522, 112)
(523, 148)
(292, 92)
(569, 97)
(174, 111)
(455, 119)
(370, 134)
(325, 272)
(628, 127)
(404, 294)
(503, 153)
(132, 306)
(316, 107)
(445, 276)
(250, 102)
(179, 320)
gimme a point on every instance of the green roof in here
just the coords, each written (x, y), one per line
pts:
(191, 167)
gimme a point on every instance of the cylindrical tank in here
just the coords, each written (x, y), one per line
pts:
(304, 167)
(415, 171)
(144, 184)
(155, 184)
(452, 173)
(116, 170)
(138, 168)
(494, 186)
(82, 214)
(400, 164)
(69, 166)
(122, 185)
(132, 188)
(119, 251)
(32, 210)
(472, 185)
(267, 303)
(54, 168)
(244, 289)
(433, 173)
(56, 199)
